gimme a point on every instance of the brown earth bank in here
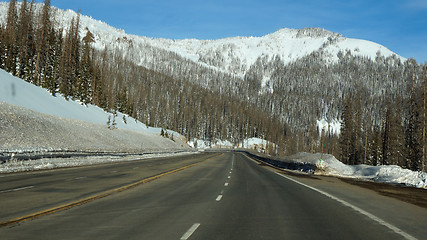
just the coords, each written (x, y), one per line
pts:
(416, 196)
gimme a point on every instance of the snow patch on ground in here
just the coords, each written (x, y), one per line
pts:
(329, 165)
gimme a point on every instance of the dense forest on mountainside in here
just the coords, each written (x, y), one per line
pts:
(381, 102)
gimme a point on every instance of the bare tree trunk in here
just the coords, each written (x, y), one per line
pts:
(424, 125)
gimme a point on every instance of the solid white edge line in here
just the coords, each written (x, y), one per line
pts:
(218, 198)
(190, 231)
(16, 189)
(357, 209)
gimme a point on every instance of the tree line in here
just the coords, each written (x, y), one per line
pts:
(398, 139)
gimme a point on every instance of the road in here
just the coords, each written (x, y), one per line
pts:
(221, 196)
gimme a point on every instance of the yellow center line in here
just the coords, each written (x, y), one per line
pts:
(96, 196)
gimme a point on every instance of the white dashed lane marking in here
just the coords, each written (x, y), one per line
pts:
(190, 231)
(16, 189)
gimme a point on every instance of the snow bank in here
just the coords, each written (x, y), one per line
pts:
(51, 163)
(329, 165)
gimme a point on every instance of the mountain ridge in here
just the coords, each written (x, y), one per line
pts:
(234, 55)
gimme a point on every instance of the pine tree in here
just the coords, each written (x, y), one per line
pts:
(367, 129)
(109, 122)
(10, 38)
(70, 61)
(392, 152)
(424, 121)
(375, 152)
(347, 140)
(357, 129)
(413, 145)
(53, 63)
(25, 42)
(42, 44)
(86, 69)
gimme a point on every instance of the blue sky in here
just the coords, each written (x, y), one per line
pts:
(400, 25)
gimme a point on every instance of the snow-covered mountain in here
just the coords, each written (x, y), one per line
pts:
(237, 55)
(234, 56)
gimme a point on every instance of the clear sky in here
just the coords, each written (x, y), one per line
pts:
(400, 25)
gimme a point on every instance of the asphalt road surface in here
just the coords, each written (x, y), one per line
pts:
(220, 196)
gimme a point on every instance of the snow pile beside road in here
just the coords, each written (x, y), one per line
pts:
(329, 165)
(51, 163)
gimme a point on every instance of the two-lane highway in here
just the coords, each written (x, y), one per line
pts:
(228, 196)
(26, 193)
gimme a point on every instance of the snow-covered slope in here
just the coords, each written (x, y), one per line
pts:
(231, 55)
(21, 93)
(236, 55)
(45, 122)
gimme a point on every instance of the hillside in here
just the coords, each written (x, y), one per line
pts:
(31, 119)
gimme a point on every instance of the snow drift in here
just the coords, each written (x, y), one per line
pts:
(328, 165)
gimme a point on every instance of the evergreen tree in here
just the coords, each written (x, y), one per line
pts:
(392, 152)
(347, 140)
(25, 42)
(357, 129)
(413, 146)
(424, 121)
(42, 37)
(53, 63)
(10, 38)
(86, 69)
(375, 147)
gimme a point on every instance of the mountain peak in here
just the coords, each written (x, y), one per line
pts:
(316, 33)
(304, 33)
